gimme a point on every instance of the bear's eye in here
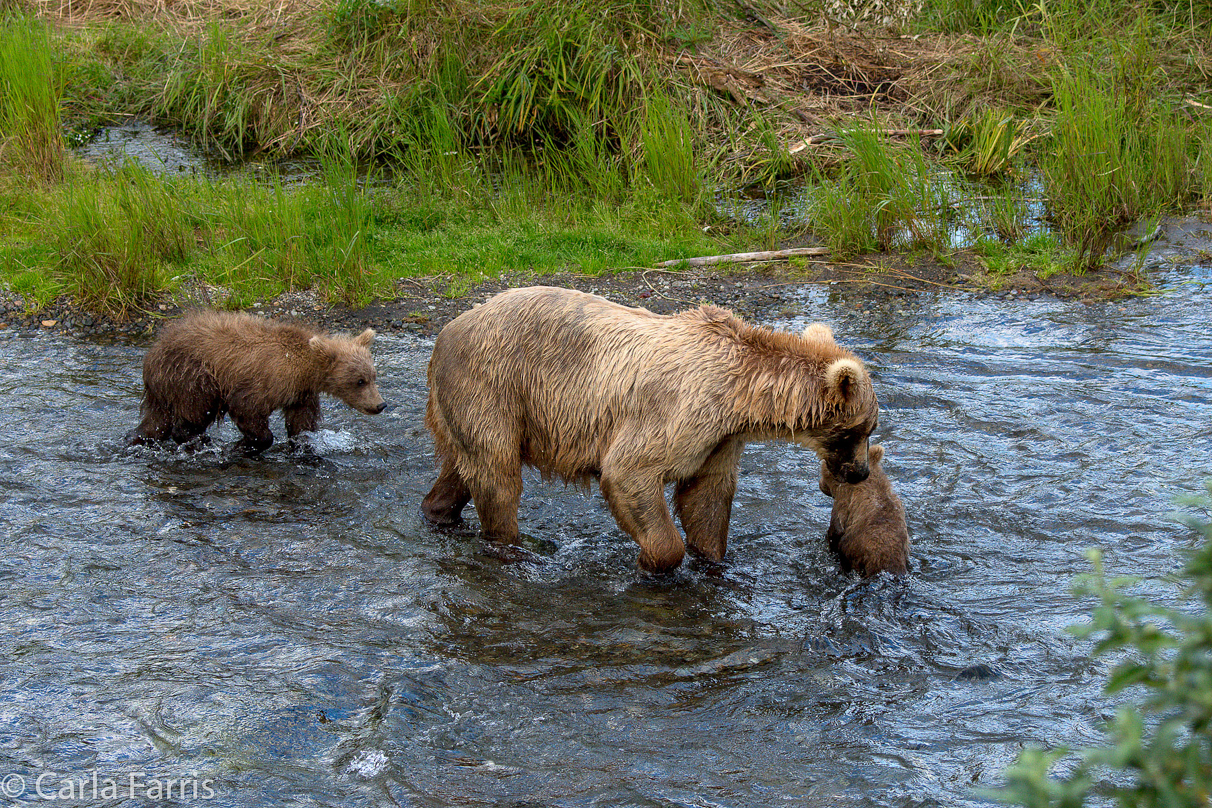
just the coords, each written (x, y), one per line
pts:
(361, 382)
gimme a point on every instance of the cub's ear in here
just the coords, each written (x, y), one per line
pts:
(818, 332)
(875, 454)
(320, 344)
(365, 338)
(843, 379)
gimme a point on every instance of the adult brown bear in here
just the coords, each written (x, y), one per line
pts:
(580, 387)
(867, 528)
(212, 363)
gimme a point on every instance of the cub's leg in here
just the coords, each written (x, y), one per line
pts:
(254, 427)
(704, 502)
(637, 500)
(155, 425)
(444, 503)
(180, 407)
(304, 416)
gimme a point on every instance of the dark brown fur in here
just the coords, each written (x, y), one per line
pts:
(580, 387)
(209, 364)
(867, 528)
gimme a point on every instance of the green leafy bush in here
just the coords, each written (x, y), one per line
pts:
(1159, 752)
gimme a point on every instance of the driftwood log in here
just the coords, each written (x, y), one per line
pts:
(746, 257)
(827, 137)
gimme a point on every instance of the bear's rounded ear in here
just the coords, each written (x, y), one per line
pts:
(875, 454)
(843, 378)
(319, 343)
(365, 338)
(818, 332)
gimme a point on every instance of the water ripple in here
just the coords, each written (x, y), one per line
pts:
(288, 628)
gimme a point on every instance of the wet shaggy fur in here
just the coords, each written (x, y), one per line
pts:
(583, 388)
(209, 364)
(867, 528)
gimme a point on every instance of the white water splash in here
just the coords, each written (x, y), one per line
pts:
(368, 763)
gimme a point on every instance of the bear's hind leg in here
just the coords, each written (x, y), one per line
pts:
(704, 502)
(444, 503)
(637, 501)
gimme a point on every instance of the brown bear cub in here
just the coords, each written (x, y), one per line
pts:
(211, 363)
(581, 388)
(867, 529)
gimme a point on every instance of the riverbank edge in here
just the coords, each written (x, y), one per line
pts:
(757, 292)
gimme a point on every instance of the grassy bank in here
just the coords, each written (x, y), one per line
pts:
(535, 137)
(113, 240)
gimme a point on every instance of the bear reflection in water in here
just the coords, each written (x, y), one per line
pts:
(210, 363)
(582, 388)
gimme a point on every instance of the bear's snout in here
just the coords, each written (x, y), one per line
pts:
(854, 473)
(371, 405)
(850, 473)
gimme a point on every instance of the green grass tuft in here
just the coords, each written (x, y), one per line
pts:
(31, 145)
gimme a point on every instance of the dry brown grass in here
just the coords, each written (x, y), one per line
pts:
(807, 81)
(181, 12)
(816, 75)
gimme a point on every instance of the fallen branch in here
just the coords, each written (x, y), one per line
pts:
(825, 137)
(745, 258)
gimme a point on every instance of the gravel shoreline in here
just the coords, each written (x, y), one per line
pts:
(421, 306)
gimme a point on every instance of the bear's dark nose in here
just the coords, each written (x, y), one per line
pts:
(384, 407)
(856, 474)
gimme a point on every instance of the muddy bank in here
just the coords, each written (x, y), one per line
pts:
(757, 292)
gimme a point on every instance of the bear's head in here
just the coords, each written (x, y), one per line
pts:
(846, 393)
(351, 372)
(830, 481)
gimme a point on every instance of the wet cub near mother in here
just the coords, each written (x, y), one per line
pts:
(580, 387)
(212, 363)
(867, 528)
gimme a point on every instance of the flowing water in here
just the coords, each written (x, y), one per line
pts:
(287, 631)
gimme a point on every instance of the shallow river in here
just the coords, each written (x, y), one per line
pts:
(287, 630)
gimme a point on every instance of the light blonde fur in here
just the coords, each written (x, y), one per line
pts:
(580, 387)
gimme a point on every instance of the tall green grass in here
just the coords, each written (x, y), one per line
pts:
(885, 196)
(1113, 160)
(113, 236)
(263, 238)
(565, 63)
(224, 91)
(989, 145)
(30, 91)
(116, 239)
(536, 136)
(668, 159)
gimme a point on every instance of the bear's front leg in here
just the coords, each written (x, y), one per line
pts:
(444, 503)
(637, 500)
(496, 490)
(303, 416)
(704, 502)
